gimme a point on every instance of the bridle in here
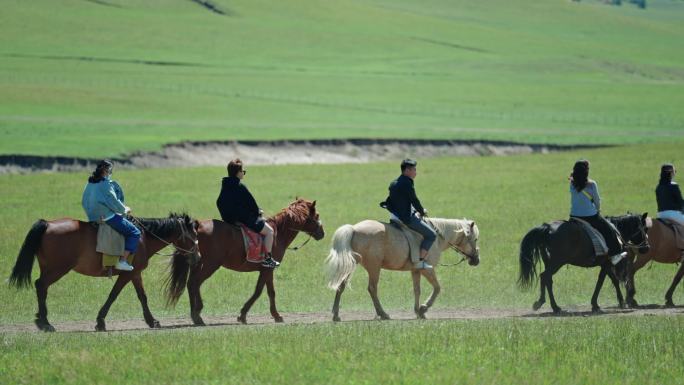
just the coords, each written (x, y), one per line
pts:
(451, 246)
(644, 236)
(320, 225)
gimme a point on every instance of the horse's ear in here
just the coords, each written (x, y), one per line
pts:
(196, 224)
(643, 217)
(313, 204)
(472, 224)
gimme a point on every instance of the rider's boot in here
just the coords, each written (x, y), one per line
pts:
(615, 259)
(269, 262)
(421, 264)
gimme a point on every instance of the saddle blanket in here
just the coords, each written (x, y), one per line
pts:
(597, 240)
(254, 245)
(678, 230)
(412, 237)
(111, 244)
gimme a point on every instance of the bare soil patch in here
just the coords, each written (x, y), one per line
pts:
(218, 153)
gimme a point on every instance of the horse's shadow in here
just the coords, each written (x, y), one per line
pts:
(580, 313)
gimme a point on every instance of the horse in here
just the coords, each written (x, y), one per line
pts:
(376, 245)
(221, 244)
(566, 242)
(68, 244)
(664, 250)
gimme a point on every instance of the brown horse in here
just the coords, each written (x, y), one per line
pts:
(221, 244)
(68, 244)
(664, 250)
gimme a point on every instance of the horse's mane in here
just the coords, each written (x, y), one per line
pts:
(443, 225)
(163, 227)
(298, 211)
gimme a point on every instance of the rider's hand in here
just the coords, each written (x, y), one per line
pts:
(127, 210)
(424, 213)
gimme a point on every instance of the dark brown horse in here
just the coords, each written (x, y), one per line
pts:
(221, 244)
(664, 250)
(68, 244)
(559, 243)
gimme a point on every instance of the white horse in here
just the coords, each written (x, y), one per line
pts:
(377, 245)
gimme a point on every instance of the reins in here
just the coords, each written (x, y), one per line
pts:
(451, 246)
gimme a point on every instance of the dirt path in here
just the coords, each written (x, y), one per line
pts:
(315, 318)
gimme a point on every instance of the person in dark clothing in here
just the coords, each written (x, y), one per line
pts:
(669, 196)
(585, 204)
(403, 204)
(236, 204)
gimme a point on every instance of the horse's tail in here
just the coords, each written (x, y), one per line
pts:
(175, 282)
(21, 273)
(532, 249)
(341, 261)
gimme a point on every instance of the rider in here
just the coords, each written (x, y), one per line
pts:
(236, 204)
(668, 196)
(103, 201)
(585, 204)
(403, 204)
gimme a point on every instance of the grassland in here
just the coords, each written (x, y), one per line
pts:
(506, 196)
(79, 78)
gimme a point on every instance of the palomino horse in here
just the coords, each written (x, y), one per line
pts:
(560, 243)
(221, 244)
(68, 244)
(664, 250)
(377, 245)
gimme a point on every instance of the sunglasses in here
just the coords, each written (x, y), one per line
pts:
(244, 172)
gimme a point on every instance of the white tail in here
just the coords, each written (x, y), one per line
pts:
(341, 261)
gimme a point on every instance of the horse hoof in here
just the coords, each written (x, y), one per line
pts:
(383, 317)
(537, 305)
(669, 303)
(155, 325)
(596, 310)
(558, 311)
(242, 319)
(336, 318)
(44, 325)
(633, 304)
(100, 328)
(278, 319)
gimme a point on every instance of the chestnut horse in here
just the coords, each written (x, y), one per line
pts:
(68, 244)
(221, 244)
(664, 250)
(376, 245)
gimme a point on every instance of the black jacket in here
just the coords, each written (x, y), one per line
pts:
(669, 197)
(236, 203)
(401, 197)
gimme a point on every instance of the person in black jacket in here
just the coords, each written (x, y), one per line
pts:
(669, 196)
(404, 205)
(236, 204)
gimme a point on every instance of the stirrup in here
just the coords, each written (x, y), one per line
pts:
(422, 265)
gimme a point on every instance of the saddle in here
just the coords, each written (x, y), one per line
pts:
(255, 250)
(597, 239)
(678, 231)
(413, 238)
(110, 243)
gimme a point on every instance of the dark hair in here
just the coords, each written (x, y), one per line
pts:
(234, 167)
(100, 171)
(580, 174)
(406, 163)
(666, 171)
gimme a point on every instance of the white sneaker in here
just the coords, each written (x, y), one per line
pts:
(123, 265)
(617, 258)
(422, 265)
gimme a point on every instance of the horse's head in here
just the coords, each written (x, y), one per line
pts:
(186, 243)
(302, 216)
(633, 229)
(464, 239)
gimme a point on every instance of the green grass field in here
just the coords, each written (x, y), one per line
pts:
(506, 196)
(79, 78)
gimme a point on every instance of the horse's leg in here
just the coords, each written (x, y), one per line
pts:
(629, 285)
(548, 277)
(198, 274)
(336, 304)
(542, 287)
(675, 282)
(116, 289)
(599, 284)
(415, 275)
(140, 290)
(42, 283)
(270, 290)
(431, 276)
(257, 292)
(373, 278)
(616, 285)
